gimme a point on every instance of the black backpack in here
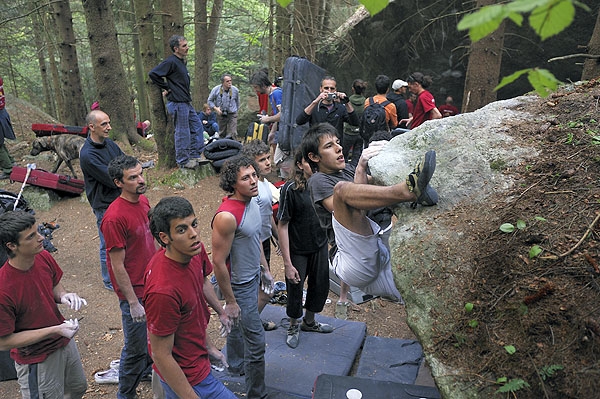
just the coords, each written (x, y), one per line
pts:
(373, 119)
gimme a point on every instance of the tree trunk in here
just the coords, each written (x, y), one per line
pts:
(307, 15)
(483, 70)
(109, 74)
(206, 31)
(172, 22)
(591, 67)
(74, 111)
(283, 34)
(164, 131)
(38, 27)
(140, 74)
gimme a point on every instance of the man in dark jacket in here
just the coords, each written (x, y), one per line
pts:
(97, 151)
(173, 78)
(330, 106)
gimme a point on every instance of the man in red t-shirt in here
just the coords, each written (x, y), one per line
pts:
(6, 132)
(31, 325)
(425, 108)
(448, 109)
(176, 293)
(129, 248)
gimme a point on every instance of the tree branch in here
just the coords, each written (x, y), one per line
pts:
(580, 55)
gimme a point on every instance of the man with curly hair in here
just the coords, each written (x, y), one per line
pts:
(240, 266)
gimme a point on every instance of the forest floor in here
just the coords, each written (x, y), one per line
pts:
(545, 306)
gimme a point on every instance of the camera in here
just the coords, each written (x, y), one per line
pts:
(331, 96)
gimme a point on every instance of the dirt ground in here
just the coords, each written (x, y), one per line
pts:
(100, 338)
(535, 325)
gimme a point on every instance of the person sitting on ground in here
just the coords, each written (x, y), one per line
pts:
(304, 249)
(176, 293)
(341, 196)
(209, 121)
(32, 327)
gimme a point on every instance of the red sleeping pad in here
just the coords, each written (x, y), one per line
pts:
(42, 178)
(46, 129)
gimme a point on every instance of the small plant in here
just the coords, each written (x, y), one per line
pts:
(473, 323)
(498, 164)
(550, 371)
(569, 139)
(574, 124)
(513, 385)
(510, 349)
(468, 307)
(534, 251)
(509, 227)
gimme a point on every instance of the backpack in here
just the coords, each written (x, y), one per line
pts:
(257, 131)
(373, 119)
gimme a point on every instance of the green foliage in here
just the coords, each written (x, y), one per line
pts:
(546, 17)
(513, 386)
(549, 371)
(534, 251)
(473, 323)
(373, 6)
(507, 228)
(542, 80)
(468, 307)
(510, 349)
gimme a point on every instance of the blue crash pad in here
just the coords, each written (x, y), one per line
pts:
(292, 372)
(390, 359)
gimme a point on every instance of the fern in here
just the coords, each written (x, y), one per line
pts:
(549, 371)
(513, 386)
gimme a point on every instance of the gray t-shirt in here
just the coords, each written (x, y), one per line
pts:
(321, 187)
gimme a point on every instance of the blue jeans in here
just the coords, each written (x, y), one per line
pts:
(248, 337)
(103, 268)
(209, 388)
(135, 361)
(189, 139)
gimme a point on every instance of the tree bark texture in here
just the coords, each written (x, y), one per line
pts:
(74, 110)
(109, 74)
(591, 67)
(206, 29)
(38, 28)
(162, 127)
(483, 69)
(172, 22)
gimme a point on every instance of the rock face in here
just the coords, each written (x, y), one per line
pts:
(472, 151)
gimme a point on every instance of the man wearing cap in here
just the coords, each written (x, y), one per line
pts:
(396, 96)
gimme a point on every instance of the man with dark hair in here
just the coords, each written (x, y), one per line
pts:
(224, 99)
(342, 195)
(129, 246)
(176, 293)
(330, 106)
(240, 266)
(425, 108)
(382, 86)
(262, 85)
(173, 78)
(96, 153)
(31, 325)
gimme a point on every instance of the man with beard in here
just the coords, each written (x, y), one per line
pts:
(129, 246)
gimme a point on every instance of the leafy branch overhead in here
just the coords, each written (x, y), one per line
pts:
(373, 6)
(546, 17)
